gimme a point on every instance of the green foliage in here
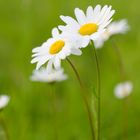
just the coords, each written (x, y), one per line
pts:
(25, 24)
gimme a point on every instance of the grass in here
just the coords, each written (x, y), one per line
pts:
(25, 24)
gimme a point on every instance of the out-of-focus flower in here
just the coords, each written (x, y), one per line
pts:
(54, 50)
(43, 75)
(117, 27)
(4, 100)
(88, 26)
(123, 90)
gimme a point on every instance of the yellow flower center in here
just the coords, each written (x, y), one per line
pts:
(88, 29)
(56, 47)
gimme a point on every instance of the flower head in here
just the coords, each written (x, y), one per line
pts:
(123, 90)
(43, 75)
(88, 26)
(54, 50)
(117, 27)
(4, 100)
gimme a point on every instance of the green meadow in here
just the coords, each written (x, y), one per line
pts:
(25, 24)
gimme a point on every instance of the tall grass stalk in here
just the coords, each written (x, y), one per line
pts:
(125, 100)
(54, 110)
(98, 91)
(85, 99)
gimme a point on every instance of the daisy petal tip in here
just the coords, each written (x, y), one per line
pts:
(113, 11)
(77, 9)
(98, 5)
(54, 29)
(89, 6)
(34, 50)
(32, 62)
(109, 6)
(62, 17)
(55, 32)
(60, 27)
(38, 67)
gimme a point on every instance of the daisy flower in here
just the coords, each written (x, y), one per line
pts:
(123, 90)
(118, 27)
(4, 100)
(88, 26)
(54, 50)
(43, 75)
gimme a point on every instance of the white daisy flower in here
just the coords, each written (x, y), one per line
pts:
(88, 26)
(43, 75)
(54, 50)
(123, 90)
(118, 27)
(4, 100)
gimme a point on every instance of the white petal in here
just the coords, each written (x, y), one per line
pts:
(96, 12)
(108, 17)
(49, 66)
(42, 47)
(105, 15)
(123, 90)
(36, 49)
(42, 52)
(118, 27)
(55, 32)
(34, 60)
(76, 51)
(57, 63)
(42, 75)
(128, 86)
(63, 54)
(38, 58)
(80, 16)
(85, 42)
(81, 42)
(98, 43)
(42, 61)
(102, 13)
(69, 20)
(96, 35)
(90, 14)
(4, 100)
(61, 27)
(105, 24)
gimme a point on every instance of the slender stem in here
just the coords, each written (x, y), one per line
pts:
(4, 127)
(120, 61)
(84, 96)
(125, 118)
(123, 77)
(53, 95)
(98, 89)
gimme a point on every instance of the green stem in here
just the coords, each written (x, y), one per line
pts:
(84, 96)
(53, 96)
(4, 127)
(98, 89)
(120, 61)
(125, 119)
(123, 77)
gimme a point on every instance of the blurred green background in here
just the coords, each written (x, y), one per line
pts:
(25, 24)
